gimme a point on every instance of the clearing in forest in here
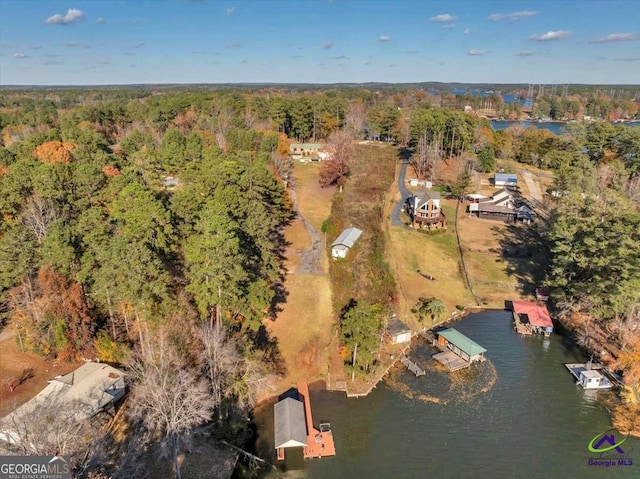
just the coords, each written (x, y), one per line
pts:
(305, 326)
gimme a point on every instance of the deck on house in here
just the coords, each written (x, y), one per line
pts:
(319, 441)
(411, 366)
(451, 360)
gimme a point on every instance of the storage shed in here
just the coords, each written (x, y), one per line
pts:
(399, 332)
(340, 247)
(505, 179)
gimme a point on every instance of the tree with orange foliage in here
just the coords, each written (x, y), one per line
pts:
(52, 152)
(52, 316)
(336, 169)
(111, 171)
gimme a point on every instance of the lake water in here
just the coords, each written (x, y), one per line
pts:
(519, 414)
(554, 127)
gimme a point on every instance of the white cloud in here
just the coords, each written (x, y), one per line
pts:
(476, 53)
(445, 17)
(100, 20)
(230, 11)
(466, 31)
(72, 15)
(525, 53)
(327, 45)
(20, 55)
(545, 37)
(616, 37)
(384, 38)
(449, 26)
(514, 16)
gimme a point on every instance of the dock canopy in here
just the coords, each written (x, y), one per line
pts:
(290, 426)
(466, 345)
(537, 314)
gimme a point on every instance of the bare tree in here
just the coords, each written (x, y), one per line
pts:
(335, 169)
(37, 215)
(220, 358)
(355, 118)
(50, 427)
(284, 168)
(420, 160)
(169, 397)
(228, 372)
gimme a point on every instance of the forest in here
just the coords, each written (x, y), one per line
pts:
(144, 227)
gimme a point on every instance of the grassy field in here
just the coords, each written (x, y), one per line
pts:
(434, 254)
(503, 261)
(305, 326)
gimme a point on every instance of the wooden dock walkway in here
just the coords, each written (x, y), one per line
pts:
(319, 441)
(411, 366)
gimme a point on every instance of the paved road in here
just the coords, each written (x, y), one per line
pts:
(404, 194)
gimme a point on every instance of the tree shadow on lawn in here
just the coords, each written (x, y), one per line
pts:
(271, 353)
(524, 251)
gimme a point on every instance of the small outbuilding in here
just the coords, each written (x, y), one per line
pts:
(343, 243)
(400, 333)
(508, 180)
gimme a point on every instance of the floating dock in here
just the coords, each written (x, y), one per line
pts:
(411, 366)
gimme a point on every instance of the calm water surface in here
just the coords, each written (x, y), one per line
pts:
(520, 414)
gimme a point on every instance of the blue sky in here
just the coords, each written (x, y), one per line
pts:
(88, 42)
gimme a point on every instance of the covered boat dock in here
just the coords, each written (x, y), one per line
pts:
(294, 426)
(458, 351)
(531, 318)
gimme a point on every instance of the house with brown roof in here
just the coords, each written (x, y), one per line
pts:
(425, 212)
(504, 205)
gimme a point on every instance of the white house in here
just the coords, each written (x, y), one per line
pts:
(78, 396)
(340, 247)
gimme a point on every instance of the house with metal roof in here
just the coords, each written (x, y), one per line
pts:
(77, 396)
(343, 243)
(458, 351)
